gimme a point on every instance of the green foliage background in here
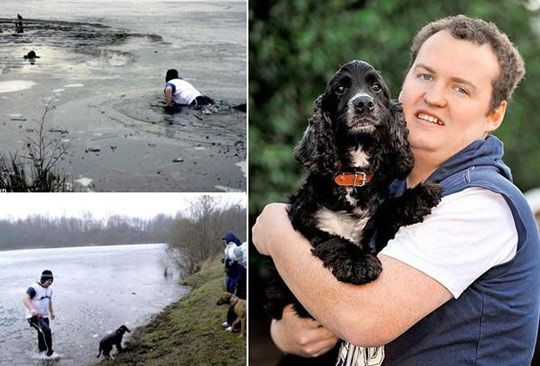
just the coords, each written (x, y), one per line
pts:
(296, 45)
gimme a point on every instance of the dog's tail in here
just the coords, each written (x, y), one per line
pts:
(99, 354)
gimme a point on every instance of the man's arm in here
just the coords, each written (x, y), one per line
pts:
(27, 301)
(168, 97)
(366, 315)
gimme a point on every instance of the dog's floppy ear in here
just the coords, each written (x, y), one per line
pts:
(403, 157)
(317, 149)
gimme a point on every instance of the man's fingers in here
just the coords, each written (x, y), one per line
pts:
(320, 347)
(323, 347)
(325, 334)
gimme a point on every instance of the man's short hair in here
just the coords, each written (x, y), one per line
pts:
(171, 74)
(480, 32)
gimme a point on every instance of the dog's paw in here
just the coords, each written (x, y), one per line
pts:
(347, 262)
(429, 194)
(360, 271)
(418, 202)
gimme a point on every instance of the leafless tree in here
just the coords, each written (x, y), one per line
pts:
(196, 236)
(36, 170)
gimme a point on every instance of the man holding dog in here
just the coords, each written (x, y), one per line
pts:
(38, 303)
(462, 287)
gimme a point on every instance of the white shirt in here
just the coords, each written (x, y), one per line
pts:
(183, 92)
(237, 253)
(467, 234)
(40, 301)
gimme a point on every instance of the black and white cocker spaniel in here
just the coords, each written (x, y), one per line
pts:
(354, 147)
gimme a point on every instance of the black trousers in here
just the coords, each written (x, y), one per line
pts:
(43, 332)
(202, 100)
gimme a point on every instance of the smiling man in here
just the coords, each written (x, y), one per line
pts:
(461, 288)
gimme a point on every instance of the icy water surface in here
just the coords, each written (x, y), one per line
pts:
(95, 290)
(102, 66)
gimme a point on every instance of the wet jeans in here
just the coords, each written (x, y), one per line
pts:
(44, 333)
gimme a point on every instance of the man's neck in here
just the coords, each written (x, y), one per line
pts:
(424, 166)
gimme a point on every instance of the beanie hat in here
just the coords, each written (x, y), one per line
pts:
(46, 275)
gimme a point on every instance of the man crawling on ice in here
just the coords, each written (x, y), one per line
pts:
(179, 92)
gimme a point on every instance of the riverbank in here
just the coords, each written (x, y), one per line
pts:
(189, 331)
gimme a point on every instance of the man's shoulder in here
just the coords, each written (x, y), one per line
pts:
(31, 291)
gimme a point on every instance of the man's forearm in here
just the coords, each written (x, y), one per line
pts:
(327, 299)
(28, 303)
(370, 314)
(168, 97)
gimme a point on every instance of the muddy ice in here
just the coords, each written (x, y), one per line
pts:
(104, 84)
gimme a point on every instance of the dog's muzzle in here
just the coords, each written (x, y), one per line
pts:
(362, 113)
(363, 104)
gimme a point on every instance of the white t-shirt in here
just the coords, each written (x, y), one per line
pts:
(449, 247)
(40, 301)
(183, 92)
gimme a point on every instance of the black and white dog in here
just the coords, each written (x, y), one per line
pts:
(354, 147)
(113, 339)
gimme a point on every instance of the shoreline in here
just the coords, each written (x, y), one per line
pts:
(187, 332)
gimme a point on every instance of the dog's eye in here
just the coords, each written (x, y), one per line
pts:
(341, 89)
(376, 87)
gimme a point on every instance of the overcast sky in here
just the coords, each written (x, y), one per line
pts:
(102, 205)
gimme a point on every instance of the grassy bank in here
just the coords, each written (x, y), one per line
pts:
(188, 332)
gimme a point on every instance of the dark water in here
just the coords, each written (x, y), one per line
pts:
(95, 290)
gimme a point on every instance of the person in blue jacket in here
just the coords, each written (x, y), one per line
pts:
(235, 259)
(461, 288)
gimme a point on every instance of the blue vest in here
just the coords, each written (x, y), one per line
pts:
(495, 320)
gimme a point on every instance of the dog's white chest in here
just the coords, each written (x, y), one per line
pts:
(341, 223)
(359, 158)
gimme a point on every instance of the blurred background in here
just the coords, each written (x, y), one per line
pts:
(296, 45)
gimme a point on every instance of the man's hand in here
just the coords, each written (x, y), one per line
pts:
(33, 312)
(269, 227)
(52, 315)
(301, 336)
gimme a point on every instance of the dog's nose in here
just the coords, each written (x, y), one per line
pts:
(364, 104)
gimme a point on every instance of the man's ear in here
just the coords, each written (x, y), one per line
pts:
(496, 116)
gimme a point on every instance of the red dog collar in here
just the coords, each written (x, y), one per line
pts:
(352, 179)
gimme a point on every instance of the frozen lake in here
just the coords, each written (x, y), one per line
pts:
(102, 66)
(95, 290)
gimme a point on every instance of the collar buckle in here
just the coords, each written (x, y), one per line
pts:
(363, 179)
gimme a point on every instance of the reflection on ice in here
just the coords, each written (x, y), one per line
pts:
(227, 189)
(15, 85)
(243, 167)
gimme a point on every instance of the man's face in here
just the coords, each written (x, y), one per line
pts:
(446, 96)
(47, 283)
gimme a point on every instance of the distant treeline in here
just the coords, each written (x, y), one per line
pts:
(46, 232)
